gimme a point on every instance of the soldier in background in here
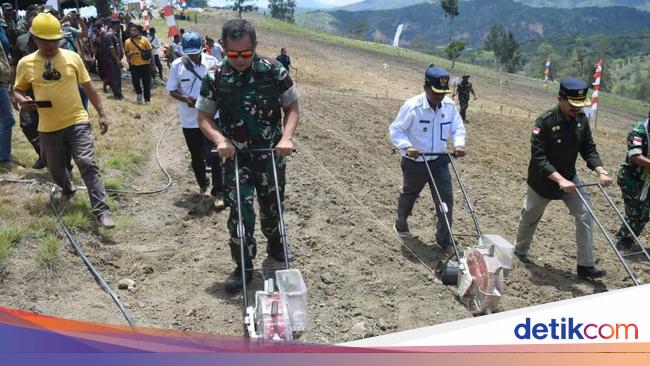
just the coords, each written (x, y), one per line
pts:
(634, 180)
(462, 90)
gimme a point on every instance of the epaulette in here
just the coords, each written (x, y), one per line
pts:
(547, 114)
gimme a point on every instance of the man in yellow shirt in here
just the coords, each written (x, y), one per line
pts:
(53, 75)
(138, 52)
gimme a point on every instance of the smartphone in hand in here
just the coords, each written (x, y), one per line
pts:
(43, 103)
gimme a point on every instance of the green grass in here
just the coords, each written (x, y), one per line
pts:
(9, 235)
(125, 160)
(43, 225)
(38, 206)
(115, 182)
(77, 215)
(48, 249)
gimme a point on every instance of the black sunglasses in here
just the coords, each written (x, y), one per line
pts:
(50, 73)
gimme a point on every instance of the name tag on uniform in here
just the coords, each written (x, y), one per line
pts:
(185, 79)
(424, 121)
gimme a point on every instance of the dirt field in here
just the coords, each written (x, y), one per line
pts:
(341, 198)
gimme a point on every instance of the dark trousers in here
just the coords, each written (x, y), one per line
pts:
(29, 125)
(141, 78)
(77, 140)
(158, 63)
(198, 144)
(464, 104)
(255, 179)
(415, 177)
(114, 73)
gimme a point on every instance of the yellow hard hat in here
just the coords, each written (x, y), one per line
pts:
(46, 26)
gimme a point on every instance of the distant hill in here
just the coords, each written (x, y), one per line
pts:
(427, 22)
(396, 4)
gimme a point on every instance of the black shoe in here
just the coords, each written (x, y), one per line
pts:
(234, 282)
(39, 164)
(592, 272)
(67, 196)
(278, 255)
(402, 230)
(447, 248)
(523, 258)
(624, 244)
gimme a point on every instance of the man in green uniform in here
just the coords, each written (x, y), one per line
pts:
(250, 93)
(634, 180)
(558, 136)
(462, 90)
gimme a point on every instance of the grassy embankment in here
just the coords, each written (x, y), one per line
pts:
(25, 214)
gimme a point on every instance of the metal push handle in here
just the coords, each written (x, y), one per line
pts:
(470, 207)
(602, 229)
(240, 235)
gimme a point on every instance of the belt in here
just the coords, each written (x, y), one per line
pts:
(421, 159)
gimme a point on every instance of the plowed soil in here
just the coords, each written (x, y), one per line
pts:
(342, 191)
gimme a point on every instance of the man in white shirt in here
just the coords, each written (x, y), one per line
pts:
(426, 123)
(184, 84)
(177, 48)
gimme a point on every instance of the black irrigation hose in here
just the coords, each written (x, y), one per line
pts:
(91, 268)
(73, 241)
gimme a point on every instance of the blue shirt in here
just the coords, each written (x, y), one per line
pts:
(285, 60)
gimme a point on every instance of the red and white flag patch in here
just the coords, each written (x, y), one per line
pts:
(637, 141)
(536, 130)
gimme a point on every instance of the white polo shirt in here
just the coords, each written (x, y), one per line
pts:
(188, 84)
(420, 126)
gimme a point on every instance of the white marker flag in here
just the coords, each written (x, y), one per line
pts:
(397, 34)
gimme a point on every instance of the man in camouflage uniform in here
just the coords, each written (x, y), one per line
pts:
(250, 93)
(8, 22)
(462, 90)
(634, 179)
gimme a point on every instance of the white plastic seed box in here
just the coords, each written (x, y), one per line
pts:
(292, 286)
(503, 250)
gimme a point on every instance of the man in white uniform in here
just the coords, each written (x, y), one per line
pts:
(426, 123)
(184, 84)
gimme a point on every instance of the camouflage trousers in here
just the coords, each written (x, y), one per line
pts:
(637, 212)
(464, 104)
(255, 178)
